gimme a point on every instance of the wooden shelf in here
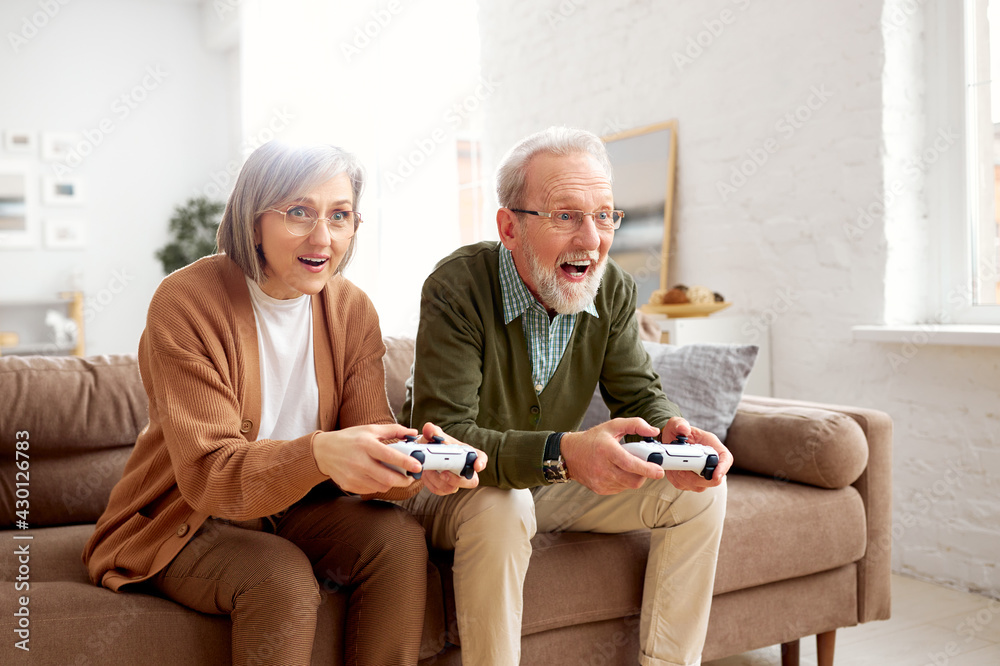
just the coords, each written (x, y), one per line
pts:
(72, 301)
(677, 310)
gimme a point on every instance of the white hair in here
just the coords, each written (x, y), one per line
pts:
(513, 170)
(274, 174)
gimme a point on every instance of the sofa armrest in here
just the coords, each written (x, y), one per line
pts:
(796, 442)
(751, 431)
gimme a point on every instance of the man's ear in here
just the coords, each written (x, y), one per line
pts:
(508, 228)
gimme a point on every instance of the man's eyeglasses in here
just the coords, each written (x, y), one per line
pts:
(570, 220)
(301, 220)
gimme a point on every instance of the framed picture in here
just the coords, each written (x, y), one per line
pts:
(57, 146)
(18, 206)
(58, 191)
(22, 142)
(645, 165)
(65, 234)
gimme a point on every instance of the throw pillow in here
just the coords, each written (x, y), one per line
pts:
(705, 380)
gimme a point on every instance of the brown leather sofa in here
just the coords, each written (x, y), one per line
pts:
(805, 549)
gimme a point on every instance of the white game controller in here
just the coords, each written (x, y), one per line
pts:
(677, 455)
(457, 458)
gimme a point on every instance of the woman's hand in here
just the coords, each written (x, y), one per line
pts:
(353, 458)
(446, 483)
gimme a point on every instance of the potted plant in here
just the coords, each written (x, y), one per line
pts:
(193, 228)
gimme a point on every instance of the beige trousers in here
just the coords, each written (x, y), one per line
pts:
(490, 530)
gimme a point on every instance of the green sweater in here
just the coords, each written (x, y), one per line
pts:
(472, 373)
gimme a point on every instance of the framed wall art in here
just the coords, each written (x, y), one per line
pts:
(18, 206)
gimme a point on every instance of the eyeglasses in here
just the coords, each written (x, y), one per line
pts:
(570, 220)
(301, 220)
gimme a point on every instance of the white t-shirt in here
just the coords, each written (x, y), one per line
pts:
(289, 401)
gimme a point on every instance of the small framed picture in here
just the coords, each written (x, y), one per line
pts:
(18, 206)
(57, 146)
(65, 234)
(22, 142)
(58, 191)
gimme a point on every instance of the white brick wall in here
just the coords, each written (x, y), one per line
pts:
(619, 64)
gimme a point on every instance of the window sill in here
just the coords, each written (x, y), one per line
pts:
(957, 335)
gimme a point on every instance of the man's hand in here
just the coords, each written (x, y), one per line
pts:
(446, 483)
(686, 480)
(596, 458)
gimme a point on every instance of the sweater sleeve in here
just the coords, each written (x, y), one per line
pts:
(629, 385)
(194, 394)
(447, 377)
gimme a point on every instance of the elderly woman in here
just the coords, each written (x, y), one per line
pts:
(267, 412)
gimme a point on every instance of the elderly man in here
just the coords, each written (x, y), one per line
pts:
(513, 338)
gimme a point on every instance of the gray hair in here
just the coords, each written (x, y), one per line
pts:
(512, 174)
(274, 174)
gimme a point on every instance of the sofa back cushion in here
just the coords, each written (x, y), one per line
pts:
(398, 362)
(80, 418)
(705, 380)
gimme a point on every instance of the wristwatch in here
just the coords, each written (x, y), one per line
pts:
(553, 465)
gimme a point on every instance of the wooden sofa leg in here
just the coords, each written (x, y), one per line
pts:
(824, 647)
(790, 653)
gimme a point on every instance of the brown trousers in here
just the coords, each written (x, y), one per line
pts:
(270, 581)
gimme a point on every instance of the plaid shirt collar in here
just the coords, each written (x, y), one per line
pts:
(515, 294)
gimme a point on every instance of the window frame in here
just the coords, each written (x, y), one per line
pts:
(952, 198)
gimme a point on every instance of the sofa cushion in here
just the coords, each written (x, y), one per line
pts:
(705, 380)
(820, 447)
(70, 404)
(91, 620)
(777, 530)
(81, 417)
(398, 362)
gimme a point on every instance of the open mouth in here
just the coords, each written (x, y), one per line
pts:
(577, 269)
(314, 264)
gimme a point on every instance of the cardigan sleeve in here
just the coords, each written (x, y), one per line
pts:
(191, 370)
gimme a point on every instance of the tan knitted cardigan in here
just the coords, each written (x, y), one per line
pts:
(198, 456)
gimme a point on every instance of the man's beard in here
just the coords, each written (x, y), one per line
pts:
(558, 293)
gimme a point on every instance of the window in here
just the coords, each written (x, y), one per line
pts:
(971, 292)
(982, 102)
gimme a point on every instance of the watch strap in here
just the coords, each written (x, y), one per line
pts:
(553, 465)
